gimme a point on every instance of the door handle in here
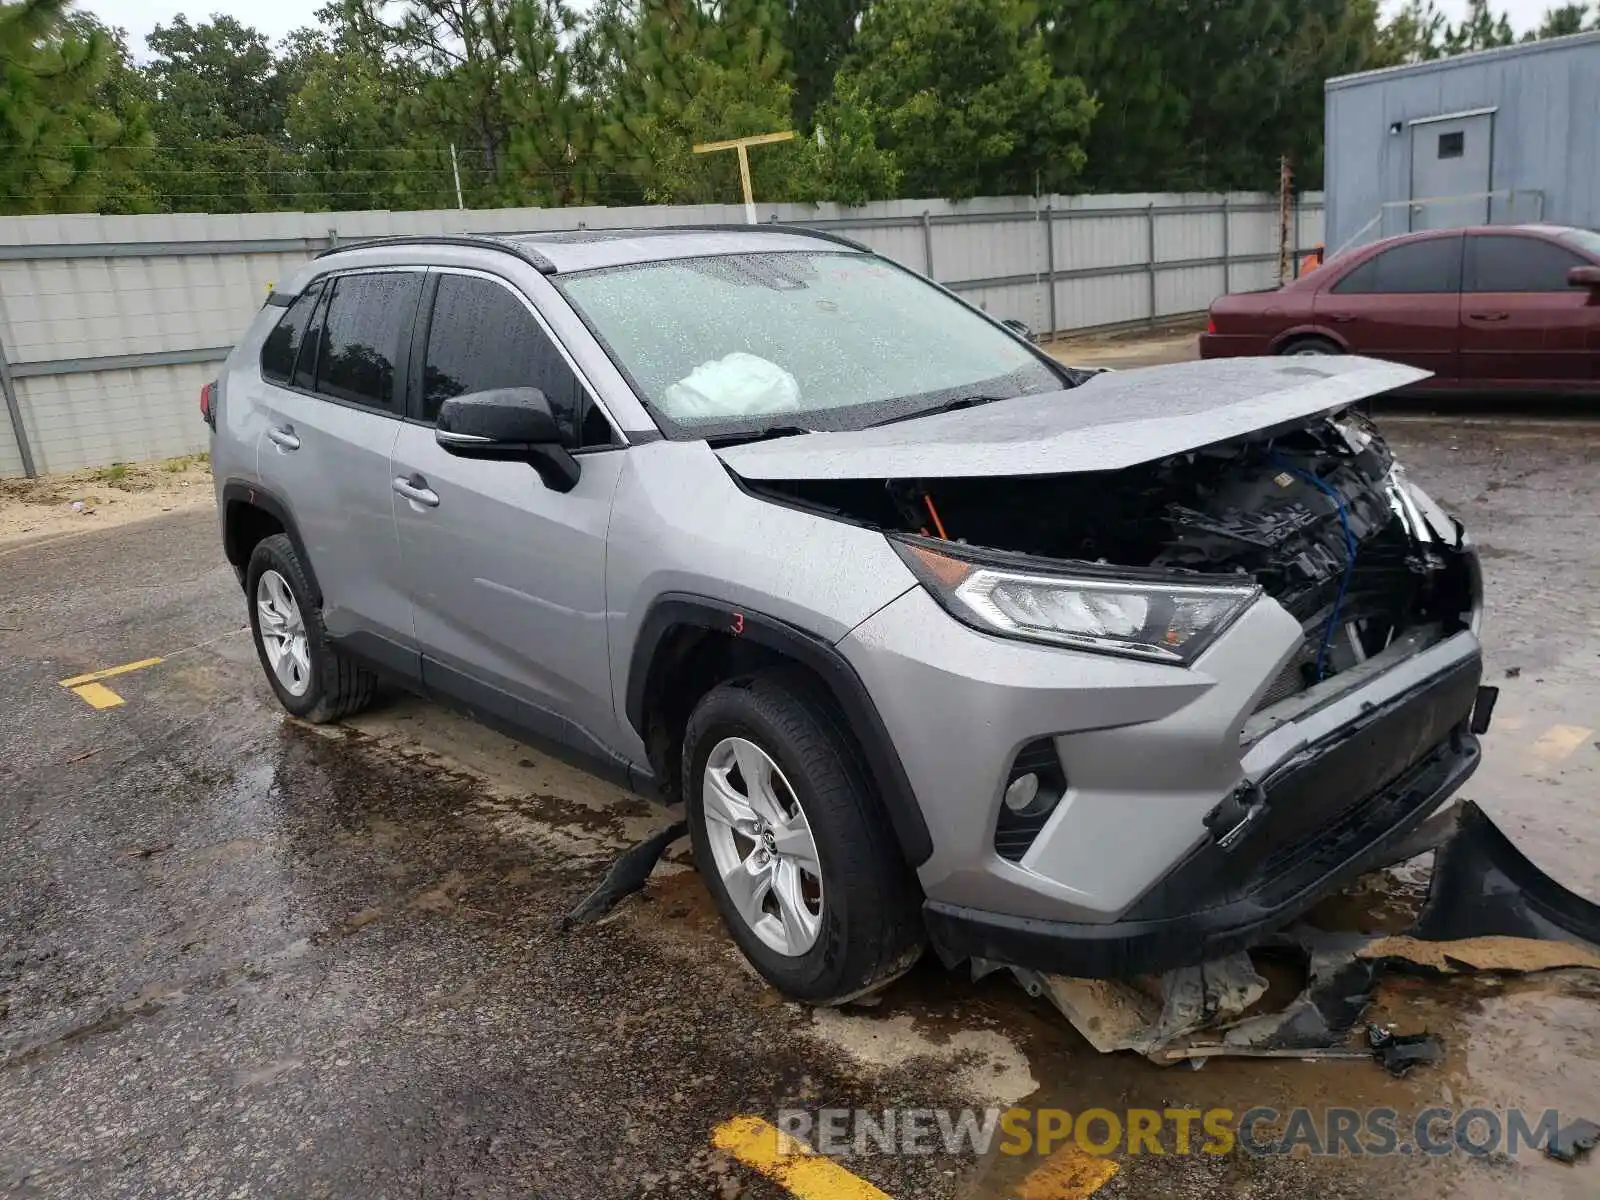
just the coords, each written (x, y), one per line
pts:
(283, 436)
(416, 490)
(1490, 316)
(1341, 317)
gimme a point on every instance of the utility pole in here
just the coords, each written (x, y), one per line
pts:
(1286, 238)
(455, 169)
(742, 146)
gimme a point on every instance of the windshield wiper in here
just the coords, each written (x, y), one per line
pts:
(947, 406)
(757, 435)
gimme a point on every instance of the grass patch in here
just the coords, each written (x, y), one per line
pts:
(115, 473)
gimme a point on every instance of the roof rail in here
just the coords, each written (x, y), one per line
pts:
(824, 235)
(481, 241)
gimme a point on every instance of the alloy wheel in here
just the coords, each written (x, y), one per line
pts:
(283, 632)
(762, 846)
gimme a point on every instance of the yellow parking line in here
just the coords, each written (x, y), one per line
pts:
(1559, 741)
(791, 1164)
(1068, 1174)
(110, 671)
(98, 695)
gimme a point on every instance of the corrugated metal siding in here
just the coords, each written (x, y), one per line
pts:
(115, 297)
(1545, 133)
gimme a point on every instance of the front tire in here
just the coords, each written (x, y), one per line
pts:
(795, 849)
(310, 677)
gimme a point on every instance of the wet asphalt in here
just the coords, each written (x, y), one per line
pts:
(243, 957)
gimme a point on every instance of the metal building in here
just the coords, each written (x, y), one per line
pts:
(1498, 136)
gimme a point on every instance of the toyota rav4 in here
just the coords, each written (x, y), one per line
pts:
(937, 640)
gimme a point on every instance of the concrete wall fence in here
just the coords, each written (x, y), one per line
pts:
(109, 326)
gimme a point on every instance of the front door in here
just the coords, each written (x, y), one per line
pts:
(507, 577)
(1522, 324)
(1450, 171)
(333, 398)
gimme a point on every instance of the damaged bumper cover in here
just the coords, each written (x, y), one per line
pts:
(1329, 792)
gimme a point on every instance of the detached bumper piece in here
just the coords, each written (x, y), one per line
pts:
(1315, 823)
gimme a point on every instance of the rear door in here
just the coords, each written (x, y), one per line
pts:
(333, 405)
(506, 575)
(1450, 168)
(1523, 325)
(1401, 304)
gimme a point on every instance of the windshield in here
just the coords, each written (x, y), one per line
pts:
(742, 343)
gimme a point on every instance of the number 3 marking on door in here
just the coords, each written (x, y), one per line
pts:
(738, 623)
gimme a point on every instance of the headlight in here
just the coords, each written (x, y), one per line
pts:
(1142, 618)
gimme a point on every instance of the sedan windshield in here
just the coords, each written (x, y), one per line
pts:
(1586, 240)
(742, 344)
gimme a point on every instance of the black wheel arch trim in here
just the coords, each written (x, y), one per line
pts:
(252, 495)
(678, 609)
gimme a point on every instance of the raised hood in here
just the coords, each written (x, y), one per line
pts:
(1115, 420)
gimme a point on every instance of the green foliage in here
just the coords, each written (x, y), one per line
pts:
(388, 103)
(1208, 94)
(963, 94)
(62, 147)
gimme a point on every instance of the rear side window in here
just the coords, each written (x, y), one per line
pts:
(1500, 263)
(1414, 267)
(483, 337)
(359, 339)
(283, 344)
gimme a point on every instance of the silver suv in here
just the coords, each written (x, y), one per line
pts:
(938, 640)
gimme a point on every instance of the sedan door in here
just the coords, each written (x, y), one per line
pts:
(333, 397)
(1522, 325)
(1401, 304)
(506, 575)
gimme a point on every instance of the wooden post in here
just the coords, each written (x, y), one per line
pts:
(742, 145)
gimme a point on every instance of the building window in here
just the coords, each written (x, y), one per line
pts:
(1452, 145)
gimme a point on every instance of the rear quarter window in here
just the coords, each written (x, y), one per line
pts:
(283, 343)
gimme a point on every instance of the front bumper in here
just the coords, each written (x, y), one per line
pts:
(1321, 818)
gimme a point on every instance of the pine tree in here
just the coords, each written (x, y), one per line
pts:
(59, 146)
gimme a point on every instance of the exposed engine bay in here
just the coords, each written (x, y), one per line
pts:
(1319, 517)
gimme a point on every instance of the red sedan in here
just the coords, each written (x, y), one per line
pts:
(1503, 306)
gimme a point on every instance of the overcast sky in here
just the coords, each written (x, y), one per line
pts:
(278, 17)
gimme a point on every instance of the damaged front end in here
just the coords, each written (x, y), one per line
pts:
(1320, 518)
(1123, 845)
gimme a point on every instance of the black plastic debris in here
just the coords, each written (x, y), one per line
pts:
(1566, 1144)
(626, 876)
(1399, 1052)
(1483, 885)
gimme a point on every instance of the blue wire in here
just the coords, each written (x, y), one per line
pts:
(1350, 561)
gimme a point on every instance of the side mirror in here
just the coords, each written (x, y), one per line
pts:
(508, 425)
(1021, 330)
(1584, 277)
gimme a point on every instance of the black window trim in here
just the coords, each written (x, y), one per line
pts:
(1456, 235)
(402, 368)
(419, 349)
(1474, 238)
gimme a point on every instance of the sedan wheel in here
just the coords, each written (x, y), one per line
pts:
(283, 633)
(762, 845)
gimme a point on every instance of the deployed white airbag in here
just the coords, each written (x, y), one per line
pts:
(735, 385)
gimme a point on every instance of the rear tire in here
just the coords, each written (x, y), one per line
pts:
(854, 925)
(1306, 347)
(310, 677)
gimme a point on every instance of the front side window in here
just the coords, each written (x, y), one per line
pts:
(1506, 263)
(282, 346)
(740, 343)
(482, 337)
(1429, 266)
(359, 340)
